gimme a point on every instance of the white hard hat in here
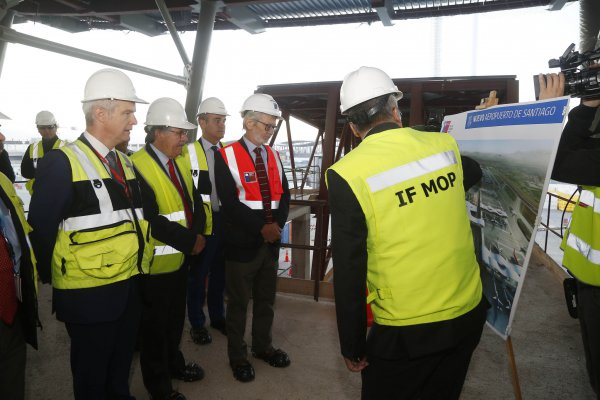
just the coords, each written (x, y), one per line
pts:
(167, 112)
(212, 105)
(109, 83)
(263, 103)
(45, 118)
(364, 84)
(3, 116)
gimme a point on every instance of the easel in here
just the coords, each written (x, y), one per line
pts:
(512, 369)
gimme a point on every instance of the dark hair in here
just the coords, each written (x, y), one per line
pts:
(366, 114)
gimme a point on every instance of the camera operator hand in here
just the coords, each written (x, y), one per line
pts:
(551, 85)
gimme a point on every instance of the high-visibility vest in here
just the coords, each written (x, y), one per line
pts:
(17, 203)
(242, 169)
(193, 159)
(421, 261)
(581, 242)
(170, 205)
(36, 152)
(99, 249)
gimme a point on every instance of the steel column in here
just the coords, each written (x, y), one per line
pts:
(6, 22)
(164, 11)
(206, 23)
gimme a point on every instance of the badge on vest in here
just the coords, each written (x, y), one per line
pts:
(97, 183)
(250, 177)
(195, 172)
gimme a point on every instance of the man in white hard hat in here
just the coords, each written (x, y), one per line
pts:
(5, 165)
(254, 196)
(18, 301)
(400, 228)
(91, 239)
(46, 126)
(200, 155)
(177, 218)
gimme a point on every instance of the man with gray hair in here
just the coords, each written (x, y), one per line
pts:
(254, 196)
(90, 239)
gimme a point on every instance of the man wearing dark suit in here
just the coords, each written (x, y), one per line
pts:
(254, 195)
(176, 215)
(90, 239)
(19, 317)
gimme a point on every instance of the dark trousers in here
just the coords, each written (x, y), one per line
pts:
(588, 311)
(101, 353)
(12, 360)
(210, 263)
(430, 377)
(257, 279)
(163, 315)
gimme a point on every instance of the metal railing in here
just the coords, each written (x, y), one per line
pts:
(546, 225)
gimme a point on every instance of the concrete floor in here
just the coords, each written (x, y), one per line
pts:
(546, 343)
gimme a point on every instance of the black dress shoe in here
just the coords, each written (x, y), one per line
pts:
(275, 357)
(174, 395)
(220, 326)
(200, 336)
(242, 371)
(191, 373)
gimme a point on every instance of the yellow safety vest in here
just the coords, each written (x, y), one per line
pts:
(36, 152)
(581, 242)
(193, 159)
(9, 189)
(421, 259)
(166, 258)
(103, 248)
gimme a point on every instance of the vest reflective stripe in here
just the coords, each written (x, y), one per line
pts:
(96, 220)
(411, 170)
(584, 248)
(411, 278)
(235, 172)
(581, 242)
(194, 160)
(103, 248)
(249, 192)
(587, 198)
(170, 206)
(194, 164)
(165, 250)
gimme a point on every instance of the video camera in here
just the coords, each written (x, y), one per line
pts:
(580, 79)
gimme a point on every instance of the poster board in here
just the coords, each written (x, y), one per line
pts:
(515, 146)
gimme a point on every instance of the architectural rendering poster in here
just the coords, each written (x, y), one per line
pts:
(515, 146)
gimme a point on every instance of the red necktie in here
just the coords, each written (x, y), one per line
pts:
(175, 180)
(263, 182)
(8, 293)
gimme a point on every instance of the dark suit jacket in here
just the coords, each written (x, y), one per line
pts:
(28, 309)
(54, 196)
(171, 233)
(241, 224)
(5, 166)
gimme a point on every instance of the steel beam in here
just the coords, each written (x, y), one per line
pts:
(206, 23)
(164, 11)
(5, 22)
(10, 35)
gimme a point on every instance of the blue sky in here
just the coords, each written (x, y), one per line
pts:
(516, 42)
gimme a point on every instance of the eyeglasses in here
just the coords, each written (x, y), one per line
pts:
(46, 126)
(180, 133)
(268, 127)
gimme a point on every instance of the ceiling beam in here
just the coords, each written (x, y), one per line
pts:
(244, 18)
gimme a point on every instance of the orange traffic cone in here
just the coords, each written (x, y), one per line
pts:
(287, 257)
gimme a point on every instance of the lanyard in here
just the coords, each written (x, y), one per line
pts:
(118, 175)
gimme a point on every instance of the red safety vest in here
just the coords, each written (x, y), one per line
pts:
(242, 169)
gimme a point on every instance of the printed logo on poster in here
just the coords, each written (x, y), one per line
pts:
(550, 112)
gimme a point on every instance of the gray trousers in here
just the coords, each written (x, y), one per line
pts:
(254, 279)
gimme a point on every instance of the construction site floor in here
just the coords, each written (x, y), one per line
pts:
(546, 342)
